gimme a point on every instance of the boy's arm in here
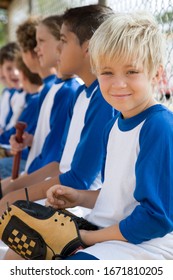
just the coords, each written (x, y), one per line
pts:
(61, 197)
(35, 192)
(154, 182)
(50, 170)
(109, 233)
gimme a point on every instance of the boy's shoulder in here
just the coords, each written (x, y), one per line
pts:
(157, 120)
(74, 83)
(160, 115)
(159, 123)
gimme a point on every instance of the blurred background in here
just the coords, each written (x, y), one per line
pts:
(13, 12)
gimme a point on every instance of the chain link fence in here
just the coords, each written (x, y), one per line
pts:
(162, 10)
(45, 7)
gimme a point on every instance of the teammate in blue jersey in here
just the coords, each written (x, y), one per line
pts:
(134, 209)
(13, 85)
(32, 84)
(80, 156)
(13, 98)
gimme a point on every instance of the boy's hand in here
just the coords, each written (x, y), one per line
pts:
(61, 197)
(17, 147)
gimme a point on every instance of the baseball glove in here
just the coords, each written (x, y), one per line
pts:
(36, 232)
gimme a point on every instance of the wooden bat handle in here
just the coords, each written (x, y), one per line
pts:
(20, 127)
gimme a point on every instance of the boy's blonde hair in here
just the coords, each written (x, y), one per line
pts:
(129, 37)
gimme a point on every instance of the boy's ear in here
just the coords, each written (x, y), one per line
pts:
(85, 46)
(158, 75)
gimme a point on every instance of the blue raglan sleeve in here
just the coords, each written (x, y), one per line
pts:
(153, 216)
(5, 136)
(87, 160)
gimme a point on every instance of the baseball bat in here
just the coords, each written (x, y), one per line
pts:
(20, 127)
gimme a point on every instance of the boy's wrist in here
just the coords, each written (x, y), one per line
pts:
(87, 236)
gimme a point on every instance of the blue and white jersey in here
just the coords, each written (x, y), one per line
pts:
(81, 160)
(51, 124)
(28, 115)
(5, 107)
(137, 192)
(17, 104)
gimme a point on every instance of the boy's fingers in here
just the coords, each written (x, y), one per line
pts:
(51, 192)
(55, 204)
(56, 190)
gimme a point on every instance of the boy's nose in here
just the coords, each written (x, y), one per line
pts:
(119, 83)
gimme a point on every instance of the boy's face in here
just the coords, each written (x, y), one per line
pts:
(126, 87)
(47, 46)
(11, 74)
(71, 53)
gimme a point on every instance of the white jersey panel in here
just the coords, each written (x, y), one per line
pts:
(120, 201)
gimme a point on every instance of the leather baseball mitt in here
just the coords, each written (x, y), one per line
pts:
(36, 232)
